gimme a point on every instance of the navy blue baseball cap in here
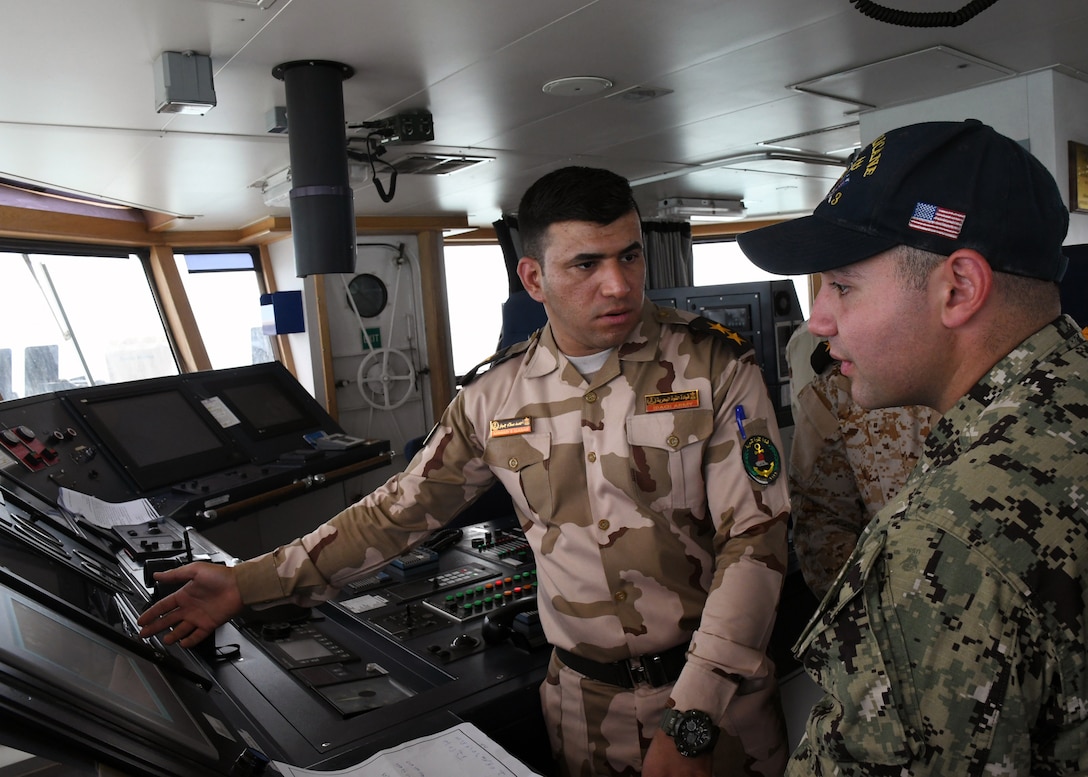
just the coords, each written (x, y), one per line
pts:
(937, 186)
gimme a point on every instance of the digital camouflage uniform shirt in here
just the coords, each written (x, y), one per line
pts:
(846, 462)
(631, 488)
(955, 641)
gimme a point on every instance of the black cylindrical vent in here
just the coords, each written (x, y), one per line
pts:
(322, 203)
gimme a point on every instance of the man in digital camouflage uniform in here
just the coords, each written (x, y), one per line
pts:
(845, 463)
(954, 643)
(640, 449)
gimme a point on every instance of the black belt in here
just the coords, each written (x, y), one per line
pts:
(655, 669)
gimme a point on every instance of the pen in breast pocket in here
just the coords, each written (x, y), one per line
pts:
(740, 421)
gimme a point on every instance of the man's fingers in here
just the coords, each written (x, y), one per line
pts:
(195, 636)
(158, 610)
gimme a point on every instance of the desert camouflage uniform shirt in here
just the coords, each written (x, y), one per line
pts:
(955, 641)
(631, 491)
(846, 462)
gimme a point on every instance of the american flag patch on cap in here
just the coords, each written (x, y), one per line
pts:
(940, 221)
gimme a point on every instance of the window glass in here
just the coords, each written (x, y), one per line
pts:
(224, 291)
(77, 320)
(722, 261)
(476, 286)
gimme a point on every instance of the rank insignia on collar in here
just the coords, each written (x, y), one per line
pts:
(674, 400)
(509, 426)
(761, 460)
(727, 332)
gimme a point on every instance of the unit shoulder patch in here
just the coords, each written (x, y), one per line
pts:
(762, 462)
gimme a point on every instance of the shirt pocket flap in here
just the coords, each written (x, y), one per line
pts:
(670, 431)
(517, 452)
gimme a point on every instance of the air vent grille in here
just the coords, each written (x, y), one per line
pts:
(437, 164)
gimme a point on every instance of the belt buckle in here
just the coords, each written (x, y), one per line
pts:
(649, 669)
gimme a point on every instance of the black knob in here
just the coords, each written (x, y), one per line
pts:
(274, 631)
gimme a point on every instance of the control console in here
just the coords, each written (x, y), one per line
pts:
(448, 632)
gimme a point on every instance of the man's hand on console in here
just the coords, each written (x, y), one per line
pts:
(206, 597)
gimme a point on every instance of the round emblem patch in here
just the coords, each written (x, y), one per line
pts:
(761, 459)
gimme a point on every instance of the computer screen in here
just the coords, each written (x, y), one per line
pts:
(86, 670)
(157, 433)
(267, 404)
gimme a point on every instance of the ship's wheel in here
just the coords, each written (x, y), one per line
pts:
(385, 378)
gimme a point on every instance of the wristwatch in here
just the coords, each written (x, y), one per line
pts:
(693, 731)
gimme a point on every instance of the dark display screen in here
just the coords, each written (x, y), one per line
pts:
(736, 317)
(156, 428)
(305, 650)
(83, 667)
(269, 404)
(158, 436)
(266, 409)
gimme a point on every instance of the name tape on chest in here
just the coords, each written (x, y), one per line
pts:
(509, 426)
(673, 400)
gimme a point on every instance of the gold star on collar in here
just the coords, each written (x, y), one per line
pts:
(727, 332)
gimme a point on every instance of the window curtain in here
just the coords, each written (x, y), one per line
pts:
(668, 254)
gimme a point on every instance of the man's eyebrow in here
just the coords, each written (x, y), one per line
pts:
(588, 257)
(848, 272)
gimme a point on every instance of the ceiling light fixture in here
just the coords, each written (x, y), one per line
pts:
(701, 209)
(576, 86)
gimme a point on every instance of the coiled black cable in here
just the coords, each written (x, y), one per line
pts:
(922, 18)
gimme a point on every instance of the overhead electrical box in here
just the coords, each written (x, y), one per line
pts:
(183, 83)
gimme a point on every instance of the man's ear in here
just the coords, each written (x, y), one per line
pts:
(968, 281)
(529, 270)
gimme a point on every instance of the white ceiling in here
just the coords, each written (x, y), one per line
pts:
(77, 94)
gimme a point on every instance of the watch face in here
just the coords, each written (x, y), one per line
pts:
(695, 733)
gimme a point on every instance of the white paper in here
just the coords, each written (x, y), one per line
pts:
(461, 751)
(106, 514)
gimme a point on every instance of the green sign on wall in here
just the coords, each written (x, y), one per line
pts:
(372, 338)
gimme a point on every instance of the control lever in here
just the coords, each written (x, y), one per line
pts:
(519, 622)
(160, 590)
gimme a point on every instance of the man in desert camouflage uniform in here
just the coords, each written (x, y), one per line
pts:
(640, 450)
(954, 641)
(845, 463)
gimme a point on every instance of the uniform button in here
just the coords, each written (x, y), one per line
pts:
(513, 463)
(603, 524)
(592, 457)
(591, 396)
(673, 441)
(621, 596)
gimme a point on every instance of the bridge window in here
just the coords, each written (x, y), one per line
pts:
(224, 291)
(76, 316)
(476, 287)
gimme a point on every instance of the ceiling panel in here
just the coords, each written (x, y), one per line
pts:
(81, 113)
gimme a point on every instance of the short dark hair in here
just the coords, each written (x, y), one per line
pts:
(571, 194)
(914, 266)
